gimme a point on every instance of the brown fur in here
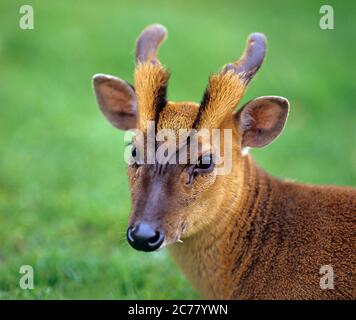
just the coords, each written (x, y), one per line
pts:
(269, 239)
(223, 93)
(257, 237)
(187, 112)
(246, 235)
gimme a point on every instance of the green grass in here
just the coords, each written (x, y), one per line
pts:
(64, 197)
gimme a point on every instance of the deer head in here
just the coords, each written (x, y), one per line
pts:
(174, 201)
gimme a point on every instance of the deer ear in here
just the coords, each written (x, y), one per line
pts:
(262, 120)
(117, 101)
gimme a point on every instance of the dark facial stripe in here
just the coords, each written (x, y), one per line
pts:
(160, 101)
(203, 104)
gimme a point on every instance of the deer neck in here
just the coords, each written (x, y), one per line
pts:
(218, 258)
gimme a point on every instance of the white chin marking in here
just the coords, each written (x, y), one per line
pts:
(245, 151)
(164, 244)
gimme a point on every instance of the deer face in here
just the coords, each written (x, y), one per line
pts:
(175, 199)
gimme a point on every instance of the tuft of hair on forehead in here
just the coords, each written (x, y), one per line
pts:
(220, 99)
(177, 115)
(151, 81)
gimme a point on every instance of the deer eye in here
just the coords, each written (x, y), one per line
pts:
(135, 156)
(205, 164)
(133, 152)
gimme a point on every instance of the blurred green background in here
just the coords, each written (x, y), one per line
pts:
(64, 197)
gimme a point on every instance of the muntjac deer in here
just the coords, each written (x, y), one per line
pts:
(241, 235)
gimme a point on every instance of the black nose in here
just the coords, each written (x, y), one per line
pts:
(143, 237)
